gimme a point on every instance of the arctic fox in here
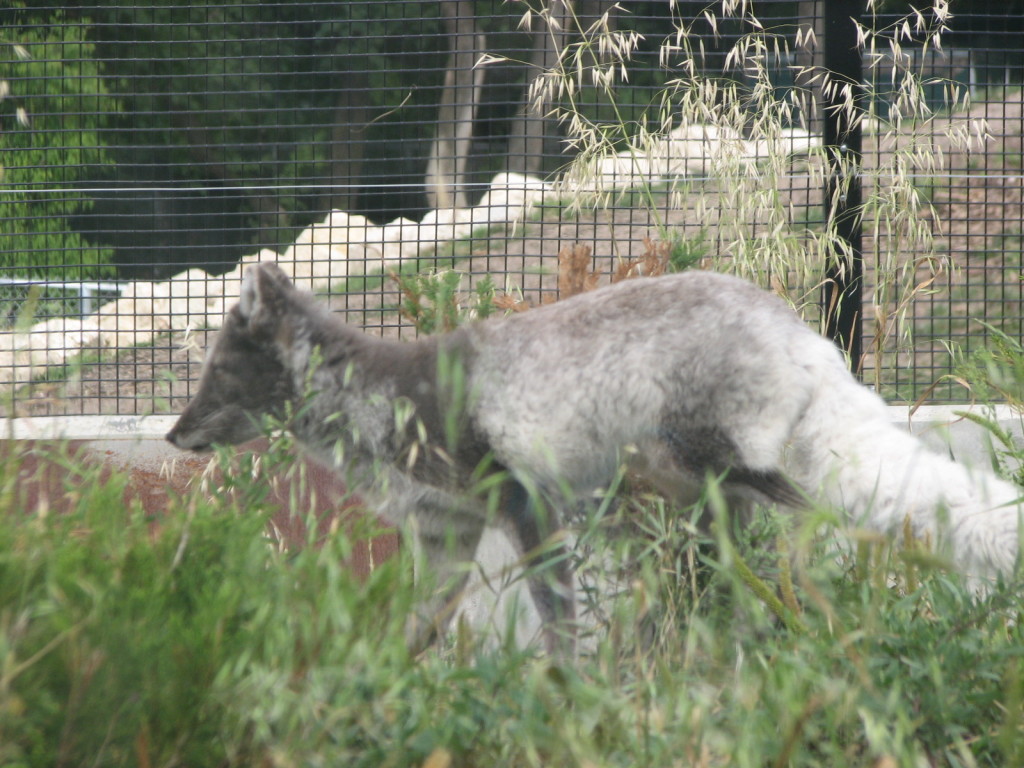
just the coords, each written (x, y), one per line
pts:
(515, 419)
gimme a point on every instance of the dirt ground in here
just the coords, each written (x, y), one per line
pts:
(980, 217)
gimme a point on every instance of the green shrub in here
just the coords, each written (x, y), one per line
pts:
(51, 138)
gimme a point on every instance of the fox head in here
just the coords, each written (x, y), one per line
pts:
(245, 376)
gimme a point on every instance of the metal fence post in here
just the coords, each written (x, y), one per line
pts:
(843, 291)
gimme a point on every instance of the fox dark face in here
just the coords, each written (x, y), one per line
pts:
(244, 378)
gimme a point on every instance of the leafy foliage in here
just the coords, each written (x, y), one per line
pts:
(434, 303)
(50, 135)
(995, 372)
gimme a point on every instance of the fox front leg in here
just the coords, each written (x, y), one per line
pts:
(443, 555)
(532, 522)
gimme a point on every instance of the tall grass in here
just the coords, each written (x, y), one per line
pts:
(194, 639)
(755, 210)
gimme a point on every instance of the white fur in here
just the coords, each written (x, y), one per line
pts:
(847, 448)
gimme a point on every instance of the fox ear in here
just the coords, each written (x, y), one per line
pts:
(263, 290)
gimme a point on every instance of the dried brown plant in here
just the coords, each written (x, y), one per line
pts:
(654, 262)
(574, 273)
(510, 303)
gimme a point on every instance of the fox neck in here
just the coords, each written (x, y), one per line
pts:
(369, 399)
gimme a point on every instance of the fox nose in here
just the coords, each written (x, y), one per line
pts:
(186, 441)
(174, 435)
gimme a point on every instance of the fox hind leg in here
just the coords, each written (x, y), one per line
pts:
(708, 451)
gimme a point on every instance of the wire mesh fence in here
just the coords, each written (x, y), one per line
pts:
(152, 151)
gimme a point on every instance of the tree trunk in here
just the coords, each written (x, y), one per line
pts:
(348, 141)
(449, 155)
(534, 133)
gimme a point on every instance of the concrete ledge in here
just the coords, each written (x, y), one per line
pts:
(950, 428)
(136, 442)
(944, 427)
(86, 427)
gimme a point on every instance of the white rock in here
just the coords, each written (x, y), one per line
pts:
(347, 227)
(443, 225)
(342, 245)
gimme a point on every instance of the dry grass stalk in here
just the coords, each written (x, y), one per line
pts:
(762, 219)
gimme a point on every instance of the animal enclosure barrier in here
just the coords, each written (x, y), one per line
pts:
(152, 152)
